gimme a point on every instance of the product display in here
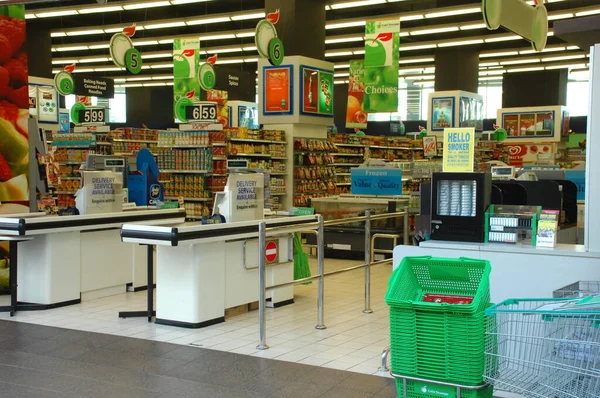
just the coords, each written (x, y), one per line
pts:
(512, 224)
(314, 174)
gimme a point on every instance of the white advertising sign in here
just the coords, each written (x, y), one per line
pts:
(102, 192)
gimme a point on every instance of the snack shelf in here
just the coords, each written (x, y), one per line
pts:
(399, 148)
(350, 145)
(348, 155)
(170, 171)
(250, 155)
(188, 199)
(183, 146)
(345, 164)
(138, 141)
(251, 141)
(278, 193)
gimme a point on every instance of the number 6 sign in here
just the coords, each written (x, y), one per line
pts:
(529, 22)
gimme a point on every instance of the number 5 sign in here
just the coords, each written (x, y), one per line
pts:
(133, 61)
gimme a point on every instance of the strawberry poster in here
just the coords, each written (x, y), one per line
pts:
(14, 114)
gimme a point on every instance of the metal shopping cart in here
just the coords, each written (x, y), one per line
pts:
(546, 348)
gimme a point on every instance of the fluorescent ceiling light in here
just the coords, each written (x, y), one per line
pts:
(63, 61)
(161, 77)
(338, 53)
(461, 43)
(208, 20)
(434, 30)
(139, 79)
(563, 66)
(411, 17)
(247, 34)
(338, 6)
(82, 70)
(30, 16)
(520, 61)
(249, 48)
(99, 46)
(250, 60)
(344, 40)
(165, 25)
(494, 72)
(560, 16)
(498, 54)
(146, 4)
(90, 60)
(341, 74)
(503, 38)
(417, 47)
(131, 85)
(217, 37)
(419, 77)
(416, 60)
(226, 50)
(340, 81)
(546, 50)
(573, 48)
(341, 66)
(429, 83)
(162, 66)
(345, 25)
(145, 42)
(72, 48)
(179, 2)
(58, 34)
(50, 14)
(243, 17)
(93, 10)
(484, 64)
(491, 78)
(454, 12)
(563, 58)
(154, 84)
(473, 26)
(85, 32)
(525, 69)
(583, 13)
(107, 69)
(166, 41)
(159, 55)
(230, 61)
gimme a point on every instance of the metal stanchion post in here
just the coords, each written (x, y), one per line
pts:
(321, 271)
(262, 294)
(405, 233)
(368, 261)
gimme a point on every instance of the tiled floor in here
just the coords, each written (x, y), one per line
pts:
(352, 341)
(46, 362)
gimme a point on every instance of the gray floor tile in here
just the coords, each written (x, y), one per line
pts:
(161, 366)
(366, 383)
(18, 342)
(185, 353)
(286, 370)
(302, 390)
(44, 332)
(10, 390)
(326, 377)
(17, 358)
(343, 392)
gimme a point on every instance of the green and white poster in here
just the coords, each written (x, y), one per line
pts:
(382, 53)
(326, 93)
(186, 62)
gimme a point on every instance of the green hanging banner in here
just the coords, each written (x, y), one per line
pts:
(382, 54)
(186, 64)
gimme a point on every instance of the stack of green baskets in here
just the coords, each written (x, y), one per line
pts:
(439, 341)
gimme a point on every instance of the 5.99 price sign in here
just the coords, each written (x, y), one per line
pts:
(92, 115)
(202, 112)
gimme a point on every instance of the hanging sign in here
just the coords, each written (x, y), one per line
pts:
(382, 53)
(356, 117)
(268, 44)
(186, 69)
(376, 181)
(528, 21)
(123, 53)
(459, 150)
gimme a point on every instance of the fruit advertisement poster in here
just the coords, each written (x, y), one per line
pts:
(382, 52)
(356, 116)
(277, 91)
(14, 115)
(221, 97)
(186, 63)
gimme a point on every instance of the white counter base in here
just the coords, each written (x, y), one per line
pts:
(203, 280)
(518, 271)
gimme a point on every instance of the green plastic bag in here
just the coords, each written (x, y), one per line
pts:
(301, 262)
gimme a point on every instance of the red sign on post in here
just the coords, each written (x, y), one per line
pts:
(271, 252)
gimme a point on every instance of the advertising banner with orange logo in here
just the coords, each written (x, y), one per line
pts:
(277, 91)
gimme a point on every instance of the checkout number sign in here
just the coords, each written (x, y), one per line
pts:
(201, 112)
(92, 115)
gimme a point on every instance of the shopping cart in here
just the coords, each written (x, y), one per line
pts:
(578, 289)
(544, 348)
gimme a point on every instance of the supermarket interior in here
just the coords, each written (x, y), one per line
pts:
(299, 198)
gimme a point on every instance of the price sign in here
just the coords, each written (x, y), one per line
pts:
(92, 115)
(202, 112)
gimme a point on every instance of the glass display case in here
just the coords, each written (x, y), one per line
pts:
(512, 224)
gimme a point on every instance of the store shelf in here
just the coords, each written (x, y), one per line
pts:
(343, 184)
(348, 154)
(69, 178)
(185, 171)
(186, 199)
(183, 146)
(343, 174)
(251, 141)
(278, 158)
(130, 154)
(390, 147)
(103, 143)
(350, 145)
(219, 158)
(219, 175)
(219, 144)
(140, 141)
(278, 174)
(345, 164)
(65, 192)
(278, 193)
(73, 146)
(71, 162)
(251, 155)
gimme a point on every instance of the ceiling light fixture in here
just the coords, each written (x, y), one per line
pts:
(50, 14)
(345, 25)
(453, 12)
(525, 69)
(85, 32)
(146, 4)
(339, 6)
(217, 37)
(460, 43)
(244, 17)
(433, 31)
(344, 40)
(207, 21)
(94, 10)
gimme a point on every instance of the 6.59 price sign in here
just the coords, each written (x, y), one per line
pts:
(202, 112)
(92, 115)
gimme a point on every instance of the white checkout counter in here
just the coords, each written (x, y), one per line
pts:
(202, 270)
(517, 271)
(63, 260)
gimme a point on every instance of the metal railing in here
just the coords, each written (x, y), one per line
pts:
(319, 231)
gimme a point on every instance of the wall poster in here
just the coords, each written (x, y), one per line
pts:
(278, 90)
